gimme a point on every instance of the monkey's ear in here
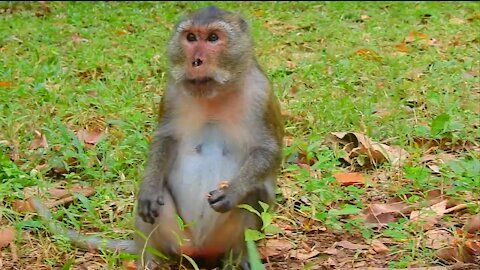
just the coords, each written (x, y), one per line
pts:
(244, 26)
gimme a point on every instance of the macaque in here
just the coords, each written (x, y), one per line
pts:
(218, 145)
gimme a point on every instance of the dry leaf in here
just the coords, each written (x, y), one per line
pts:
(6, 236)
(129, 265)
(357, 144)
(331, 251)
(76, 38)
(349, 245)
(274, 247)
(379, 247)
(472, 247)
(402, 47)
(456, 20)
(455, 254)
(39, 142)
(437, 239)
(347, 179)
(414, 35)
(368, 54)
(288, 140)
(5, 84)
(430, 215)
(302, 254)
(22, 206)
(473, 224)
(90, 137)
(61, 195)
(364, 17)
(383, 214)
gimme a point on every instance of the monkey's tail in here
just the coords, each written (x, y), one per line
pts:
(81, 241)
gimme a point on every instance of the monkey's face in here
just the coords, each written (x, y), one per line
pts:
(198, 62)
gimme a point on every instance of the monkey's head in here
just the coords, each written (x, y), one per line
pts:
(210, 48)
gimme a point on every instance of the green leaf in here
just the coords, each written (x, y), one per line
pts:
(266, 219)
(253, 235)
(253, 257)
(440, 124)
(192, 262)
(249, 208)
(156, 252)
(86, 203)
(264, 206)
(272, 229)
(68, 264)
(180, 222)
(346, 210)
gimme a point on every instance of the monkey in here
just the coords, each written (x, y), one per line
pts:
(218, 144)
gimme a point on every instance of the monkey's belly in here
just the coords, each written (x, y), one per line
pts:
(201, 164)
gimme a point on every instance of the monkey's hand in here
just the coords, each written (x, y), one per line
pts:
(150, 200)
(222, 199)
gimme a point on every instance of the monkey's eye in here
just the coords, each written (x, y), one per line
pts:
(212, 37)
(191, 37)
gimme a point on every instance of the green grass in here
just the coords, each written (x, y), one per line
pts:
(314, 53)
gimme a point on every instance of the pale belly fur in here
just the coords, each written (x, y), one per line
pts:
(203, 162)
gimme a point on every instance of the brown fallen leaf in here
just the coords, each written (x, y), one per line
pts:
(414, 35)
(382, 214)
(472, 247)
(331, 251)
(457, 21)
(129, 265)
(76, 38)
(39, 141)
(368, 54)
(402, 47)
(379, 247)
(350, 178)
(5, 84)
(288, 140)
(349, 245)
(6, 236)
(274, 247)
(437, 239)
(90, 136)
(59, 195)
(473, 224)
(22, 206)
(302, 255)
(454, 254)
(446, 144)
(14, 251)
(430, 215)
(357, 144)
(364, 17)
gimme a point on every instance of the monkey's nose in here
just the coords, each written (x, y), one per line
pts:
(198, 62)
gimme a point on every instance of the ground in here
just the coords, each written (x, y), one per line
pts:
(380, 100)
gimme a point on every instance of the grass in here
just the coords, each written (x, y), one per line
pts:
(395, 71)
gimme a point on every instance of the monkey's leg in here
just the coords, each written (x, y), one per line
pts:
(163, 235)
(266, 194)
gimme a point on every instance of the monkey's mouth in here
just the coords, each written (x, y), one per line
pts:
(200, 81)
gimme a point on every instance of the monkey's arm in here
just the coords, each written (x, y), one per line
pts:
(262, 161)
(81, 241)
(150, 197)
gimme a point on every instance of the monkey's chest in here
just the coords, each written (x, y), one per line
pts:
(202, 162)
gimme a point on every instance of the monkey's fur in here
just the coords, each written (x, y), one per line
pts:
(218, 144)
